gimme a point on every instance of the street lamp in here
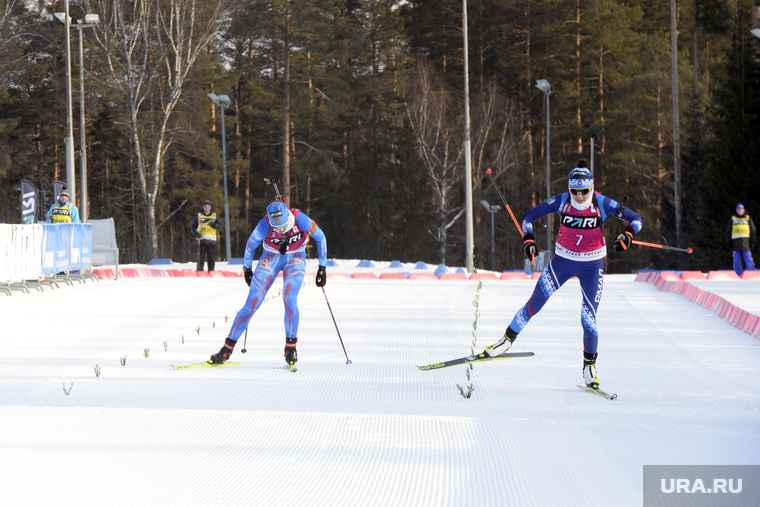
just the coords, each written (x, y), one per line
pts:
(544, 86)
(224, 101)
(90, 20)
(491, 209)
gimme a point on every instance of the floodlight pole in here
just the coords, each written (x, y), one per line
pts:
(70, 176)
(89, 21)
(469, 234)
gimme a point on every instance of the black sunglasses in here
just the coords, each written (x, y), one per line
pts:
(580, 191)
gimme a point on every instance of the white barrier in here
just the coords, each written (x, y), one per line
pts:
(104, 248)
(30, 252)
(6, 257)
(27, 252)
(21, 252)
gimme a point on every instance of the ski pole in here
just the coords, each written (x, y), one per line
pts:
(664, 247)
(274, 182)
(488, 172)
(245, 340)
(348, 361)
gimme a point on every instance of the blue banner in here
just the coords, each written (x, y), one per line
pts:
(48, 249)
(63, 235)
(85, 260)
(66, 247)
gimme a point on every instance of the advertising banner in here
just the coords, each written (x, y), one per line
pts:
(27, 252)
(48, 249)
(29, 202)
(66, 247)
(58, 187)
(63, 238)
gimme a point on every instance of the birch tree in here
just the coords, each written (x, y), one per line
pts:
(435, 116)
(440, 146)
(150, 47)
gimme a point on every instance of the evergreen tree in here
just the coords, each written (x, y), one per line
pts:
(733, 149)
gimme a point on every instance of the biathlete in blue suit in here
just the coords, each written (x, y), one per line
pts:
(579, 251)
(284, 234)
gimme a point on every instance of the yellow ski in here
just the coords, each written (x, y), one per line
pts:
(474, 359)
(598, 392)
(202, 365)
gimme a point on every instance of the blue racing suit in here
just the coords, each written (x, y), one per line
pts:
(579, 252)
(292, 264)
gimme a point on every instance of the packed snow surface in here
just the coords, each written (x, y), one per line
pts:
(93, 413)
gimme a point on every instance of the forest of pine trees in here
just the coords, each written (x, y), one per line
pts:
(358, 107)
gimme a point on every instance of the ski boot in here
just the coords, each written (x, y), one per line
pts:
(224, 353)
(589, 370)
(291, 356)
(502, 345)
(290, 350)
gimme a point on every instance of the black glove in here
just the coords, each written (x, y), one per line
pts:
(321, 278)
(624, 239)
(751, 245)
(248, 276)
(529, 245)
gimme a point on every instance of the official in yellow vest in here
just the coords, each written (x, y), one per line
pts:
(205, 226)
(740, 237)
(63, 211)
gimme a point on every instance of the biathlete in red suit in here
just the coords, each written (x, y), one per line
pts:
(284, 234)
(580, 250)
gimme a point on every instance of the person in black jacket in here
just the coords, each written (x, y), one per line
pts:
(205, 226)
(740, 237)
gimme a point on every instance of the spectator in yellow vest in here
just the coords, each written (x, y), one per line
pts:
(740, 237)
(205, 226)
(63, 211)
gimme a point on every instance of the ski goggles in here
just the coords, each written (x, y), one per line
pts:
(580, 191)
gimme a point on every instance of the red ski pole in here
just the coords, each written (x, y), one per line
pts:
(517, 224)
(664, 247)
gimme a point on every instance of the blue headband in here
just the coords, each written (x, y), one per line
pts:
(580, 177)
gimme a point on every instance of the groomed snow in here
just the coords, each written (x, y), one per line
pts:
(377, 432)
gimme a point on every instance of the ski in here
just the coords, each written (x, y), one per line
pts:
(474, 359)
(598, 392)
(292, 366)
(202, 365)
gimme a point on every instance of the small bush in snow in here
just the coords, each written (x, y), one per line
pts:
(467, 390)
